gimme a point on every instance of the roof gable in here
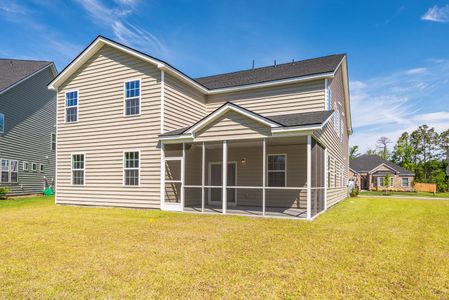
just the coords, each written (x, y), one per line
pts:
(227, 107)
(369, 163)
(13, 71)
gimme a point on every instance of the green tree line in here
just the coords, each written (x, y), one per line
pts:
(422, 151)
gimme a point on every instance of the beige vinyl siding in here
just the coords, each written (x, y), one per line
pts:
(233, 125)
(276, 100)
(103, 133)
(337, 147)
(183, 105)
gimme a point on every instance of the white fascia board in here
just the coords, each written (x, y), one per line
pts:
(296, 129)
(174, 139)
(347, 98)
(52, 68)
(271, 83)
(229, 107)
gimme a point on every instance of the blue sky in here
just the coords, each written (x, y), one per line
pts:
(398, 51)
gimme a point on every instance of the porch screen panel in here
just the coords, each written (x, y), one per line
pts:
(318, 178)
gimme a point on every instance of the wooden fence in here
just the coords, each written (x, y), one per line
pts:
(426, 187)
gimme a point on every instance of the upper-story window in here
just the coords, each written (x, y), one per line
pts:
(2, 123)
(132, 97)
(71, 106)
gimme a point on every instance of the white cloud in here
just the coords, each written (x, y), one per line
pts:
(12, 8)
(437, 14)
(124, 31)
(392, 104)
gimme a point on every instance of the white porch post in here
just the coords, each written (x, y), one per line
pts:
(203, 168)
(225, 176)
(326, 171)
(264, 166)
(183, 169)
(309, 177)
(162, 200)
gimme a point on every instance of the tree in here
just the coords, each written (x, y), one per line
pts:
(354, 152)
(371, 152)
(382, 143)
(387, 182)
(403, 152)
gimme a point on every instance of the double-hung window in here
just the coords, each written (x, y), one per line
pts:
(9, 171)
(132, 98)
(277, 170)
(2, 123)
(71, 106)
(34, 167)
(78, 169)
(131, 167)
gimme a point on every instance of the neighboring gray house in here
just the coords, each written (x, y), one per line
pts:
(27, 125)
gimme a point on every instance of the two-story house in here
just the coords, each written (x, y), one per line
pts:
(133, 131)
(27, 125)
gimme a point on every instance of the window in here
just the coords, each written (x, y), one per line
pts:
(34, 167)
(132, 98)
(2, 123)
(131, 164)
(41, 168)
(71, 106)
(78, 169)
(277, 169)
(404, 182)
(26, 166)
(9, 171)
(53, 141)
(5, 170)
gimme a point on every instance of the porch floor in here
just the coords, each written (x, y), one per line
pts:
(275, 212)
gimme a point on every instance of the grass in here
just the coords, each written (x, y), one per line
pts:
(408, 194)
(361, 248)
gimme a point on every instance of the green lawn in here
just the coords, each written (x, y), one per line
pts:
(361, 248)
(408, 194)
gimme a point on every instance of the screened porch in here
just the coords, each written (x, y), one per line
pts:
(272, 177)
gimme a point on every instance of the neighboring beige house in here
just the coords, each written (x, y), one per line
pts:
(369, 171)
(134, 131)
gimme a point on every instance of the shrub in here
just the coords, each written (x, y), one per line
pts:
(354, 192)
(3, 192)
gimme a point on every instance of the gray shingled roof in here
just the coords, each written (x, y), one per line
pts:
(366, 163)
(287, 120)
(13, 70)
(282, 71)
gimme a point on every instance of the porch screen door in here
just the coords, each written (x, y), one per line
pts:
(173, 184)
(216, 180)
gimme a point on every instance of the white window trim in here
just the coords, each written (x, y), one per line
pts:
(41, 168)
(77, 106)
(32, 165)
(140, 97)
(9, 170)
(23, 166)
(4, 122)
(83, 169)
(124, 168)
(277, 171)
